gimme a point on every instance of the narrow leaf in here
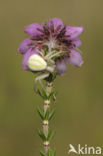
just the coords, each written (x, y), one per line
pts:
(51, 95)
(51, 115)
(47, 114)
(44, 94)
(49, 152)
(51, 136)
(42, 135)
(42, 153)
(39, 92)
(40, 113)
(54, 153)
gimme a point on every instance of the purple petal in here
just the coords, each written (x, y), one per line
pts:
(77, 43)
(24, 46)
(32, 29)
(26, 57)
(56, 22)
(61, 66)
(73, 32)
(75, 58)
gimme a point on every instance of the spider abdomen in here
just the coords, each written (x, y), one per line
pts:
(36, 63)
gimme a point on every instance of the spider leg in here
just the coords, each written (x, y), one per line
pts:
(55, 55)
(39, 78)
(49, 54)
(42, 85)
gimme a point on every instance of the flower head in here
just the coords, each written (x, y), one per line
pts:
(55, 43)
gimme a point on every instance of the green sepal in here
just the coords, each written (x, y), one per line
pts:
(41, 113)
(42, 135)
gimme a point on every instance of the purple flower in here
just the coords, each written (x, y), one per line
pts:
(75, 58)
(54, 41)
(76, 43)
(24, 47)
(73, 32)
(61, 67)
(34, 29)
(56, 23)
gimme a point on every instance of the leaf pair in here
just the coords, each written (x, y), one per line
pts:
(46, 116)
(50, 153)
(44, 95)
(43, 137)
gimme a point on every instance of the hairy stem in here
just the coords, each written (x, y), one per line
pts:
(46, 122)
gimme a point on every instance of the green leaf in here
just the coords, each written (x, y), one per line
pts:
(42, 153)
(41, 114)
(49, 152)
(51, 114)
(54, 96)
(42, 135)
(44, 94)
(54, 153)
(50, 135)
(46, 114)
(39, 92)
(51, 95)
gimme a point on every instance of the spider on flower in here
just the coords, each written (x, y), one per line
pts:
(43, 64)
(61, 42)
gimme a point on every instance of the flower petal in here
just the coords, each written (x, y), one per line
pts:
(26, 57)
(76, 43)
(75, 58)
(32, 29)
(61, 66)
(73, 32)
(24, 46)
(56, 22)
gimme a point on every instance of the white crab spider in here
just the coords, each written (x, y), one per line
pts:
(37, 63)
(44, 64)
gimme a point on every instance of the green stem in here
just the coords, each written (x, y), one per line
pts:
(46, 122)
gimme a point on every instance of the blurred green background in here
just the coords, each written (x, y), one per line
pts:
(79, 105)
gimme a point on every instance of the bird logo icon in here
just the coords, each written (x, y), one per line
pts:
(72, 149)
